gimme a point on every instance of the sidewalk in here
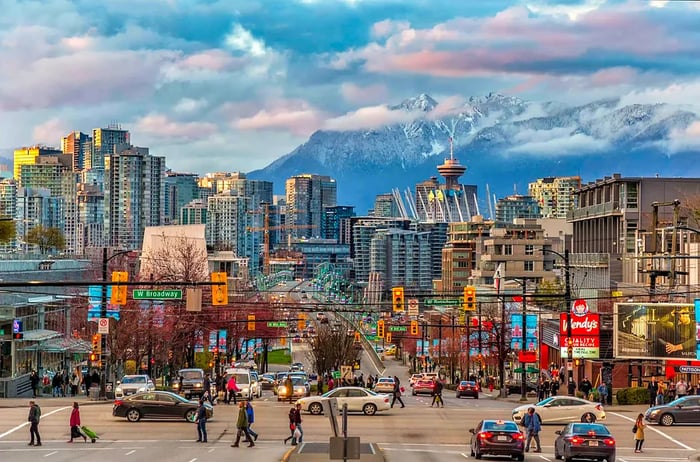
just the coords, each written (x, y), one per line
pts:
(48, 401)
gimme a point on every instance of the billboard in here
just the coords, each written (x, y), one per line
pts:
(585, 332)
(531, 331)
(656, 330)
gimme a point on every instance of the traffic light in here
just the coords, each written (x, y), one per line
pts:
(93, 357)
(577, 362)
(397, 298)
(251, 322)
(219, 292)
(18, 335)
(357, 337)
(301, 323)
(97, 343)
(388, 337)
(380, 328)
(469, 303)
(414, 327)
(119, 292)
(569, 351)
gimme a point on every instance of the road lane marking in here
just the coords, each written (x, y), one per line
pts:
(193, 460)
(12, 430)
(545, 458)
(130, 453)
(51, 453)
(464, 455)
(668, 437)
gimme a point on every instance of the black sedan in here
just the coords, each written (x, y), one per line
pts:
(468, 388)
(585, 441)
(497, 438)
(157, 405)
(681, 410)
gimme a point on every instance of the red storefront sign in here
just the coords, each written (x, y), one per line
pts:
(527, 356)
(588, 324)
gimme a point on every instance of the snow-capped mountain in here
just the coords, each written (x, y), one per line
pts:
(504, 142)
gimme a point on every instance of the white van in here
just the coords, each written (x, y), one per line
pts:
(244, 382)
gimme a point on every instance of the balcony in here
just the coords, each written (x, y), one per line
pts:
(593, 211)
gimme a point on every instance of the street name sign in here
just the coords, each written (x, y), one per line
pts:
(165, 294)
(443, 302)
(689, 369)
(277, 324)
(398, 328)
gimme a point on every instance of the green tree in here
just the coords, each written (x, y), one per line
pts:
(7, 229)
(46, 238)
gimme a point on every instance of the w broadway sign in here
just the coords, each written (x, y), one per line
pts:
(166, 294)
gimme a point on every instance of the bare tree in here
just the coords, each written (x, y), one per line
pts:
(332, 348)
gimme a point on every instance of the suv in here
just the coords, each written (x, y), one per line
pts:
(190, 383)
(244, 381)
(132, 384)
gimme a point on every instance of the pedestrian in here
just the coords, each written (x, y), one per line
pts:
(319, 385)
(75, 424)
(201, 421)
(533, 423)
(602, 393)
(396, 396)
(653, 389)
(585, 387)
(34, 380)
(639, 426)
(56, 385)
(74, 384)
(251, 419)
(242, 426)
(96, 380)
(437, 393)
(206, 393)
(289, 388)
(292, 426)
(554, 387)
(295, 418)
(232, 389)
(34, 417)
(331, 383)
(681, 389)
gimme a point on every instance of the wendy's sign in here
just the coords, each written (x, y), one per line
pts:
(587, 325)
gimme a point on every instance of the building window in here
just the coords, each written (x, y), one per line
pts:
(529, 249)
(529, 266)
(508, 249)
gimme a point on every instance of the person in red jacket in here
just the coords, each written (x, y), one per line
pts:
(75, 424)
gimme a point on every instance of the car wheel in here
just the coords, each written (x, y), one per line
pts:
(588, 417)
(369, 409)
(477, 454)
(557, 456)
(188, 396)
(457, 396)
(133, 415)
(471, 450)
(666, 420)
(521, 457)
(191, 415)
(477, 397)
(315, 408)
(611, 458)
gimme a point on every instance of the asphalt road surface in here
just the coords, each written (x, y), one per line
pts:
(417, 433)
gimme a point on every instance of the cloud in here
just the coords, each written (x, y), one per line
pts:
(371, 117)
(357, 94)
(556, 142)
(156, 125)
(388, 27)
(570, 11)
(297, 117)
(50, 132)
(187, 105)
(242, 40)
(685, 140)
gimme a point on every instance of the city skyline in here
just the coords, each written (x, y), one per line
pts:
(258, 80)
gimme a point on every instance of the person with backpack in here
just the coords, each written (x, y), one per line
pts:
(533, 423)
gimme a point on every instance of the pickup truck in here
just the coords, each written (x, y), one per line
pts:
(190, 383)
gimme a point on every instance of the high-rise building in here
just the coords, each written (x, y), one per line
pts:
(307, 195)
(8, 206)
(134, 195)
(91, 217)
(36, 207)
(402, 258)
(363, 230)
(460, 256)
(194, 213)
(45, 172)
(555, 195)
(28, 156)
(180, 190)
(228, 223)
(385, 206)
(336, 223)
(79, 146)
(516, 206)
(104, 142)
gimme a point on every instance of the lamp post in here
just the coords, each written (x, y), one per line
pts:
(103, 314)
(567, 298)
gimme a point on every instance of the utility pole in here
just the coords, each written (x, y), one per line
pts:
(567, 298)
(523, 365)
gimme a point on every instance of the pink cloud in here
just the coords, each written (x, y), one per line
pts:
(161, 126)
(370, 117)
(387, 27)
(212, 60)
(50, 132)
(612, 76)
(297, 117)
(353, 93)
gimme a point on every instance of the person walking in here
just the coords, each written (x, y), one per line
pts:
(206, 392)
(295, 417)
(201, 422)
(34, 381)
(533, 423)
(639, 427)
(292, 426)
(396, 396)
(653, 389)
(251, 419)
(602, 393)
(289, 388)
(34, 417)
(242, 426)
(75, 424)
(585, 387)
(232, 389)
(319, 385)
(437, 393)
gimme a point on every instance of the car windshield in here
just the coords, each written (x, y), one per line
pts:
(241, 378)
(584, 429)
(139, 379)
(501, 426)
(189, 375)
(465, 383)
(545, 401)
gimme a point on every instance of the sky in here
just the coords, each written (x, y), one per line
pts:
(231, 85)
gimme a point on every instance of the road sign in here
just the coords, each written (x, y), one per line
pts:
(398, 328)
(346, 372)
(164, 294)
(103, 326)
(413, 307)
(443, 302)
(277, 324)
(527, 356)
(689, 369)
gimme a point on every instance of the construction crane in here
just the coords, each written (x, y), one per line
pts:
(266, 228)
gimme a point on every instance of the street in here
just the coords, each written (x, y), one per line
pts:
(416, 433)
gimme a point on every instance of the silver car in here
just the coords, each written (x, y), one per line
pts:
(132, 384)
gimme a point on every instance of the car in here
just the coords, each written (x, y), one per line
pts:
(267, 381)
(358, 399)
(190, 382)
(423, 386)
(384, 385)
(299, 389)
(295, 367)
(158, 405)
(585, 441)
(414, 378)
(255, 385)
(304, 378)
(497, 438)
(244, 382)
(297, 338)
(132, 384)
(563, 409)
(681, 410)
(468, 388)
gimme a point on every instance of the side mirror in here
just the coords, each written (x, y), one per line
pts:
(558, 432)
(118, 382)
(471, 430)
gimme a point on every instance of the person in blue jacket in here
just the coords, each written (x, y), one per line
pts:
(533, 423)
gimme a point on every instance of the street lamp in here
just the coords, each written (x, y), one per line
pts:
(567, 297)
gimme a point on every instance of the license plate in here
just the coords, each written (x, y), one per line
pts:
(593, 443)
(501, 438)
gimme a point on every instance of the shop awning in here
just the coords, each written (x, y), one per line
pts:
(61, 345)
(38, 335)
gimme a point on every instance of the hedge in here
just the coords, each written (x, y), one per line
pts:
(633, 395)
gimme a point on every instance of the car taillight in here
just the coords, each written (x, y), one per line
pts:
(517, 436)
(597, 406)
(485, 435)
(118, 402)
(575, 440)
(609, 441)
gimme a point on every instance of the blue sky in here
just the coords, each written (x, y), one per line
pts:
(241, 82)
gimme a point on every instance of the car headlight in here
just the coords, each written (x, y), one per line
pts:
(142, 389)
(300, 389)
(176, 386)
(198, 385)
(654, 413)
(118, 390)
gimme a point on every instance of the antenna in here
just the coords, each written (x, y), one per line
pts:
(452, 157)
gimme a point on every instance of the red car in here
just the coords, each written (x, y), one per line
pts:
(422, 386)
(468, 388)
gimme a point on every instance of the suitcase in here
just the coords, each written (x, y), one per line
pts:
(89, 433)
